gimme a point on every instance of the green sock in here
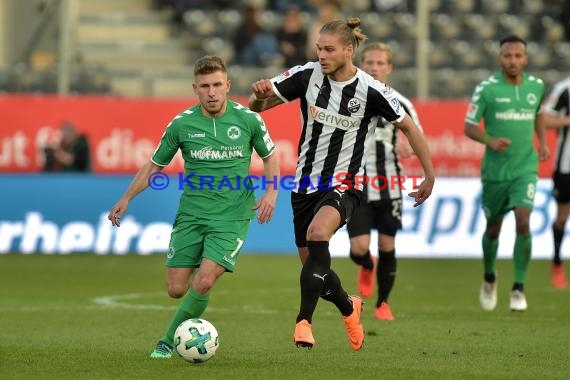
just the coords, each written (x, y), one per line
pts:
(523, 245)
(490, 248)
(192, 306)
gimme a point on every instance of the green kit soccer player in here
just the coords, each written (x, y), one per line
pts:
(509, 102)
(216, 138)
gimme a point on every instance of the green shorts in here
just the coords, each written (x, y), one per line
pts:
(194, 238)
(499, 197)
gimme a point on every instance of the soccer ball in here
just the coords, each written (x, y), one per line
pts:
(196, 340)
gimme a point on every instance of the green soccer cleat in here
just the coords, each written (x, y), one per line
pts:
(162, 350)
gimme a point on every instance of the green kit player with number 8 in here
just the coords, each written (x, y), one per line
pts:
(509, 103)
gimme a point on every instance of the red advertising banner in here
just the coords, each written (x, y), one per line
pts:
(123, 133)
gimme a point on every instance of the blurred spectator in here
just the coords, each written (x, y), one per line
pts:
(565, 17)
(390, 5)
(180, 6)
(252, 43)
(292, 38)
(71, 154)
(328, 10)
(283, 6)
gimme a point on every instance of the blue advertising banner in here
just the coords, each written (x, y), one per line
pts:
(67, 213)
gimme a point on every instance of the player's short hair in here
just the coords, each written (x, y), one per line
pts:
(512, 38)
(209, 64)
(349, 31)
(376, 46)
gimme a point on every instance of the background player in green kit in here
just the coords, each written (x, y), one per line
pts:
(216, 138)
(509, 102)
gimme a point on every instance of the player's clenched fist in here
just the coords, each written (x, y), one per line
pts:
(262, 89)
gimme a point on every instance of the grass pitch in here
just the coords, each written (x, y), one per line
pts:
(89, 317)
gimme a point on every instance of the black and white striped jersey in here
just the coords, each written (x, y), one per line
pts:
(339, 119)
(382, 160)
(558, 101)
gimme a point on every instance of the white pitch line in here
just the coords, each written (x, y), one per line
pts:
(118, 301)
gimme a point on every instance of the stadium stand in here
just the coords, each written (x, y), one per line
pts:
(147, 47)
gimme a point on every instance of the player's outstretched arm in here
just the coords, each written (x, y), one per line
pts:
(421, 149)
(266, 205)
(263, 97)
(138, 184)
(540, 125)
(552, 121)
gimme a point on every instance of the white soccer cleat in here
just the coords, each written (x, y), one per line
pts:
(518, 301)
(488, 295)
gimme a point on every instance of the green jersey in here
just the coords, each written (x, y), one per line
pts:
(509, 111)
(217, 154)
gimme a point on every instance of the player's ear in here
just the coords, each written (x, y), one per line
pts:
(229, 85)
(350, 50)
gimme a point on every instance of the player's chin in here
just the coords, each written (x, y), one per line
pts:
(213, 108)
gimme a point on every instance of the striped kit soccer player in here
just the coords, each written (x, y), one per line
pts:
(557, 104)
(383, 209)
(341, 106)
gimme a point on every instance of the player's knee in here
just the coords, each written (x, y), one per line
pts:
(318, 233)
(203, 284)
(359, 248)
(176, 291)
(492, 231)
(386, 245)
(523, 227)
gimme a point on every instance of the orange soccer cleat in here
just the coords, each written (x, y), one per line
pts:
(354, 328)
(303, 335)
(559, 277)
(383, 312)
(366, 280)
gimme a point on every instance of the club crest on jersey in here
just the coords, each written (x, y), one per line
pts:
(353, 105)
(234, 132)
(531, 99)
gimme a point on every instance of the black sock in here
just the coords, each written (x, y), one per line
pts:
(385, 274)
(333, 292)
(558, 235)
(490, 277)
(313, 277)
(518, 286)
(365, 260)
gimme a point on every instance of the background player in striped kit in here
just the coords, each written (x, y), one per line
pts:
(341, 106)
(383, 209)
(558, 104)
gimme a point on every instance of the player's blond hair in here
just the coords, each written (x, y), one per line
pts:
(209, 64)
(380, 46)
(348, 30)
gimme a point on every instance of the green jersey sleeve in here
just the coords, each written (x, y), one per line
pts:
(477, 105)
(260, 138)
(168, 146)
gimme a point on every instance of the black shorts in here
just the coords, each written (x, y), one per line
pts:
(305, 206)
(384, 215)
(561, 190)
